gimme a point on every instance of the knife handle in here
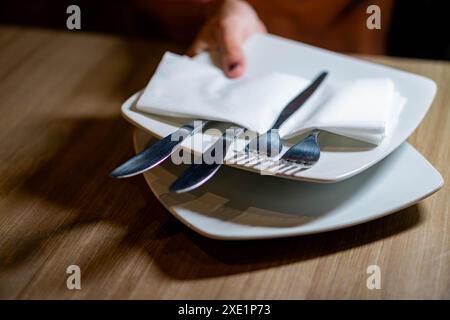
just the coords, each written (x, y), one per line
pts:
(193, 127)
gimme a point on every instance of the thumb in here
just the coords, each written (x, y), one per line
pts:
(233, 61)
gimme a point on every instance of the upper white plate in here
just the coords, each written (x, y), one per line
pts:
(341, 157)
(238, 205)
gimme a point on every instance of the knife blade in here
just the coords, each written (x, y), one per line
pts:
(299, 100)
(270, 142)
(198, 174)
(157, 152)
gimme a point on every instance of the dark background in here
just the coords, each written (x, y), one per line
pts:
(419, 28)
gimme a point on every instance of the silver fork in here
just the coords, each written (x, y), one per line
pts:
(301, 156)
(305, 153)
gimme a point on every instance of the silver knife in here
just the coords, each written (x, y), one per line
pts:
(198, 174)
(157, 152)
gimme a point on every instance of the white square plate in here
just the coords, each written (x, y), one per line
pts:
(238, 205)
(341, 158)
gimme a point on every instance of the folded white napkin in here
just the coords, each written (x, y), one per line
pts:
(182, 87)
(366, 109)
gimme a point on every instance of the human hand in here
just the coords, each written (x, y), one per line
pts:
(230, 24)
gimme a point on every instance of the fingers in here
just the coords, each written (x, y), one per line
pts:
(232, 22)
(197, 47)
(232, 56)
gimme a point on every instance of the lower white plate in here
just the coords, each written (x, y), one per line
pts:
(238, 205)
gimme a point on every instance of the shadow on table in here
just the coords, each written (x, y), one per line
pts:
(198, 257)
(75, 179)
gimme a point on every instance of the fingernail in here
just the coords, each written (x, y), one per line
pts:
(233, 66)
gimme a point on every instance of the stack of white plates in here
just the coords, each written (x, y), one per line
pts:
(352, 182)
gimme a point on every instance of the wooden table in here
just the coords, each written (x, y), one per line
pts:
(61, 134)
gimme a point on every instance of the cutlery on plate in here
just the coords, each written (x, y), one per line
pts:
(271, 140)
(198, 174)
(301, 156)
(157, 152)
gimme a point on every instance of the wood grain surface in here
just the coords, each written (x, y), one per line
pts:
(61, 134)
